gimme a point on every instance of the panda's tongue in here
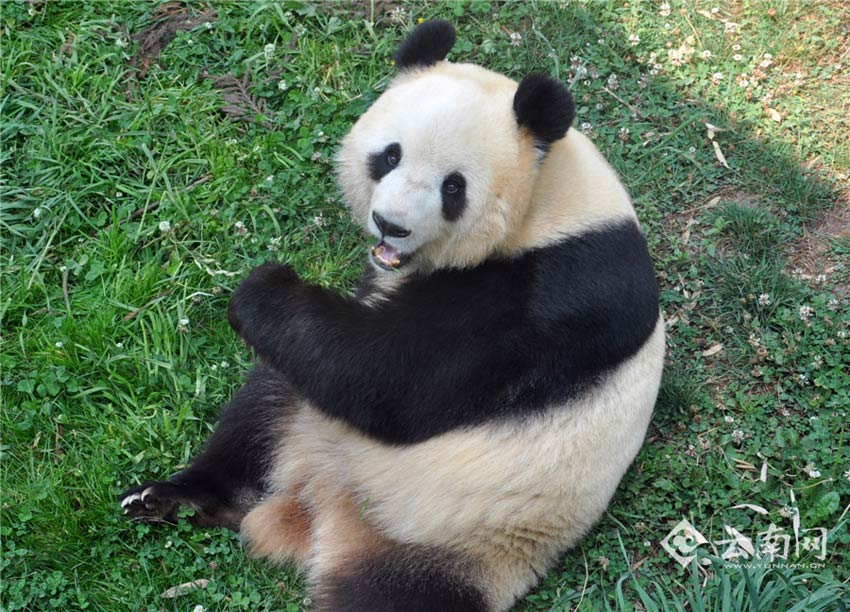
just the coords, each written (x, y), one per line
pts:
(387, 255)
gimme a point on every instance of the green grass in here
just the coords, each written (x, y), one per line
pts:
(132, 205)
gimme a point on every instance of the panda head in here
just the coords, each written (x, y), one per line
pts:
(441, 168)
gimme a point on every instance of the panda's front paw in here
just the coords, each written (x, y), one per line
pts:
(264, 292)
(151, 502)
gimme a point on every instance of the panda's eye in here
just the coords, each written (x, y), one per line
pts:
(453, 184)
(453, 191)
(383, 162)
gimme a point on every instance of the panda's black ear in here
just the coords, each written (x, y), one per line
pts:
(428, 44)
(545, 107)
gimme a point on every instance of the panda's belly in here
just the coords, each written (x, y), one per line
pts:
(543, 481)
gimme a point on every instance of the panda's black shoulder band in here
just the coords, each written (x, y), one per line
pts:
(428, 44)
(459, 348)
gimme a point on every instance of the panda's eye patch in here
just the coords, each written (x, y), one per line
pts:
(453, 192)
(381, 164)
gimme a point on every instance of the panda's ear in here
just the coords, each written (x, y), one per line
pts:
(545, 108)
(428, 44)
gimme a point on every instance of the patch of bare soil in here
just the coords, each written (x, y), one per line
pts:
(168, 19)
(240, 104)
(809, 258)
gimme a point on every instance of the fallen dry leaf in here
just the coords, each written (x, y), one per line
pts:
(713, 350)
(182, 589)
(753, 507)
(719, 154)
(774, 115)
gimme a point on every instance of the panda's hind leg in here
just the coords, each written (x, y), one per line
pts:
(228, 477)
(402, 577)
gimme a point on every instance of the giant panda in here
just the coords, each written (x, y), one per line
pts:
(435, 442)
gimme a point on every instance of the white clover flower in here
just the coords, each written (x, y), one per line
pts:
(183, 322)
(121, 42)
(832, 304)
(268, 51)
(37, 212)
(634, 40)
(737, 436)
(208, 25)
(737, 57)
(818, 362)
(586, 127)
(812, 472)
(119, 345)
(729, 419)
(730, 27)
(398, 15)
(119, 194)
(241, 230)
(613, 82)
(59, 344)
(764, 299)
(664, 10)
(736, 47)
(692, 151)
(274, 244)
(516, 39)
(319, 220)
(225, 365)
(281, 85)
(716, 77)
(706, 54)
(847, 474)
(270, 178)
(806, 312)
(164, 226)
(676, 57)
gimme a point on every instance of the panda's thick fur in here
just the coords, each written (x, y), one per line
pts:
(434, 443)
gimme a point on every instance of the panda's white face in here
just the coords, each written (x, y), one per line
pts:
(437, 169)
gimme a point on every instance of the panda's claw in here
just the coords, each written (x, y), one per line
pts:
(147, 503)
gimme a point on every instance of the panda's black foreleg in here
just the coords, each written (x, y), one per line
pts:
(228, 477)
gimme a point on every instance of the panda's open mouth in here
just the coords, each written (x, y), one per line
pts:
(388, 257)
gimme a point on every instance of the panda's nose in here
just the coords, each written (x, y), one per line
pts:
(388, 228)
